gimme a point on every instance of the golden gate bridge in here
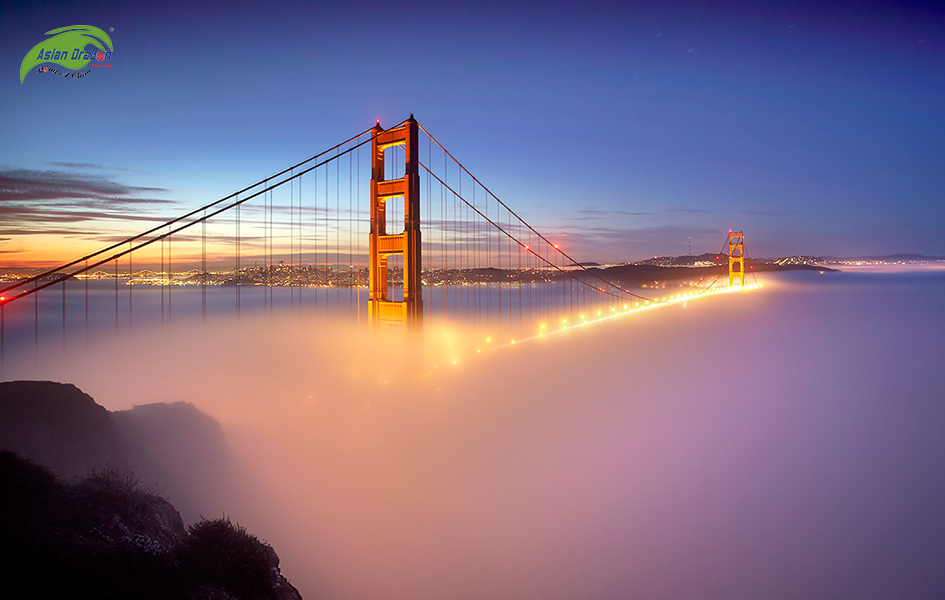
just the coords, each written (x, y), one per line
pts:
(328, 244)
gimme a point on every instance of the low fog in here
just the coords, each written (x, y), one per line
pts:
(780, 443)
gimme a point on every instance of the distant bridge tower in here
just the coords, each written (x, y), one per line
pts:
(736, 258)
(381, 309)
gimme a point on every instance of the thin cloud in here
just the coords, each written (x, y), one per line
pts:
(684, 210)
(604, 213)
(85, 165)
(62, 202)
(31, 185)
(32, 217)
(754, 212)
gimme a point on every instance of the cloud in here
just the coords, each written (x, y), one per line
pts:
(32, 185)
(32, 218)
(684, 210)
(599, 213)
(776, 212)
(588, 214)
(85, 165)
(63, 202)
(614, 243)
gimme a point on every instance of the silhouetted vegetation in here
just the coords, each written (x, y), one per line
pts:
(219, 554)
(110, 536)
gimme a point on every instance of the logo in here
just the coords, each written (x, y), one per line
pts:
(68, 49)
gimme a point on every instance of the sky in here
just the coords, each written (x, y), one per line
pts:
(817, 128)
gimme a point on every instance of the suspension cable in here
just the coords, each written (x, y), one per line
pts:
(488, 191)
(526, 247)
(170, 232)
(24, 282)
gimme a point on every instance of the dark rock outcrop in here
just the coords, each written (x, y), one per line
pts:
(75, 522)
(178, 449)
(58, 425)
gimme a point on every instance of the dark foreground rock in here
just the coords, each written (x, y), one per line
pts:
(106, 536)
(80, 516)
(176, 447)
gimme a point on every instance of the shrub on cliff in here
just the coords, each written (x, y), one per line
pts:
(220, 554)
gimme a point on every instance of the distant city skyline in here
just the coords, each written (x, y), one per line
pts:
(626, 130)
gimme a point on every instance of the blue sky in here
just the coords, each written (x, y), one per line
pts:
(818, 129)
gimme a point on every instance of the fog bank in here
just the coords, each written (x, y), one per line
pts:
(780, 443)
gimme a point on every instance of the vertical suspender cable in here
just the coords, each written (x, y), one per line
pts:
(236, 261)
(170, 274)
(337, 232)
(36, 322)
(63, 316)
(350, 232)
(163, 277)
(86, 303)
(203, 267)
(116, 296)
(300, 279)
(291, 245)
(130, 286)
(358, 221)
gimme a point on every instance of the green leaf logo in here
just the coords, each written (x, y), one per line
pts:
(67, 48)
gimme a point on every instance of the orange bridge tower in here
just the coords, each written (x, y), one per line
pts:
(736, 258)
(381, 309)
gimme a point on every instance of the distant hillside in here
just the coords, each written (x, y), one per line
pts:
(59, 426)
(896, 258)
(183, 450)
(645, 273)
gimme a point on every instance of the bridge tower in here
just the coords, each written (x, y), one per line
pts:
(736, 258)
(381, 309)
